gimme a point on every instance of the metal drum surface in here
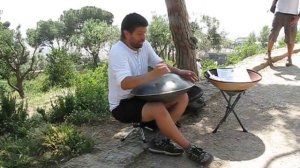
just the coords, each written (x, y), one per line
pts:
(164, 89)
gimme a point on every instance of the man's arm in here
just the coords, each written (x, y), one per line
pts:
(190, 75)
(131, 82)
(273, 7)
(174, 69)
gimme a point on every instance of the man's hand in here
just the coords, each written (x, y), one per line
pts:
(190, 75)
(161, 69)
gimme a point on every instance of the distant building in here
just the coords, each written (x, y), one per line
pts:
(220, 58)
(240, 41)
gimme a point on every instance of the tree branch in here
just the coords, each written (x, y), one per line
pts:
(31, 64)
(11, 85)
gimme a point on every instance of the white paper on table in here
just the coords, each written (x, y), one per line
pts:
(233, 75)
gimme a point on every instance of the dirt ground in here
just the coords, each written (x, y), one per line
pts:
(269, 111)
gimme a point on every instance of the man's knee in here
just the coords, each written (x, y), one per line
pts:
(151, 110)
(184, 99)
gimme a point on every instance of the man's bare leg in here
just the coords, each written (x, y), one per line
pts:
(270, 46)
(158, 112)
(290, 52)
(161, 115)
(177, 108)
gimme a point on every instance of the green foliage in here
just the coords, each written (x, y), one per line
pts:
(62, 141)
(243, 51)
(43, 146)
(281, 43)
(251, 39)
(92, 90)
(58, 33)
(4, 88)
(38, 85)
(12, 116)
(95, 36)
(60, 69)
(15, 60)
(82, 116)
(207, 64)
(46, 33)
(61, 108)
(74, 19)
(72, 109)
(207, 33)
(18, 152)
(264, 36)
(169, 62)
(298, 37)
(160, 35)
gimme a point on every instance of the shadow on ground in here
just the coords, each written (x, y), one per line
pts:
(262, 108)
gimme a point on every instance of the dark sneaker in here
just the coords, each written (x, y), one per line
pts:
(199, 155)
(166, 147)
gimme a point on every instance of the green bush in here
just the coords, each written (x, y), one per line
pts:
(62, 141)
(61, 108)
(298, 37)
(281, 43)
(92, 90)
(4, 88)
(60, 69)
(207, 64)
(243, 51)
(18, 152)
(37, 85)
(44, 146)
(12, 116)
(81, 116)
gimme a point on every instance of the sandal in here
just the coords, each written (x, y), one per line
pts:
(288, 64)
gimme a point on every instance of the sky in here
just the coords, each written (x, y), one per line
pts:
(237, 17)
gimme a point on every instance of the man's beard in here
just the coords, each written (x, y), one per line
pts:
(137, 45)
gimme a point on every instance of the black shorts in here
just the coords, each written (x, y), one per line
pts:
(129, 110)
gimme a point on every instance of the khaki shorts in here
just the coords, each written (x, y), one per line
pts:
(283, 20)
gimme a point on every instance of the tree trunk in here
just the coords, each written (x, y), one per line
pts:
(20, 89)
(19, 83)
(95, 59)
(184, 41)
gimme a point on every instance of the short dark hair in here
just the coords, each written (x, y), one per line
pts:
(131, 21)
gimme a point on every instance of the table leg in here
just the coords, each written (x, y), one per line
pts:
(230, 108)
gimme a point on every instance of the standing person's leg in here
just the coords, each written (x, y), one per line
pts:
(277, 24)
(290, 52)
(290, 37)
(270, 46)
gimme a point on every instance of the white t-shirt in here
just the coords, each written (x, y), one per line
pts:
(288, 6)
(123, 62)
